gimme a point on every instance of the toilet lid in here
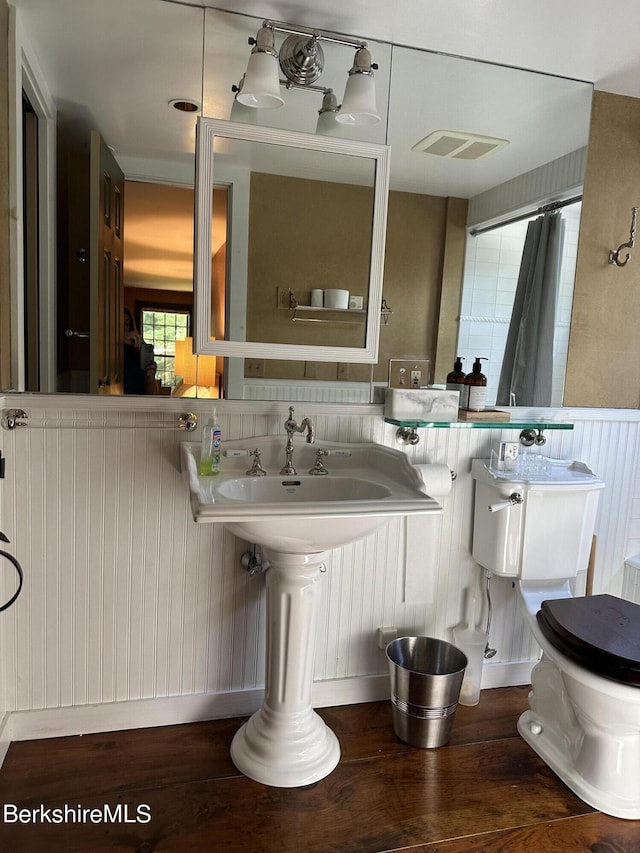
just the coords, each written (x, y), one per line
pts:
(599, 632)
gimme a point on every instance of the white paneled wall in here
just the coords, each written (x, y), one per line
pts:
(127, 599)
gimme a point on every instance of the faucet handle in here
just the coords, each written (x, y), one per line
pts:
(318, 468)
(256, 469)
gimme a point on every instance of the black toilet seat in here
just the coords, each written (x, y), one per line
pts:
(599, 632)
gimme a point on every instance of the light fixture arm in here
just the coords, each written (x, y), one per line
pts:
(319, 35)
(305, 87)
(614, 256)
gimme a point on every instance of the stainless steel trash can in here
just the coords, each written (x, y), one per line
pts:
(426, 676)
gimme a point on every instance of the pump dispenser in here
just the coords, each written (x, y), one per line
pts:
(457, 375)
(476, 387)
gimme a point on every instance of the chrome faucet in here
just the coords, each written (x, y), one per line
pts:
(291, 426)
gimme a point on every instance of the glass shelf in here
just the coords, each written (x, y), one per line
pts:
(538, 425)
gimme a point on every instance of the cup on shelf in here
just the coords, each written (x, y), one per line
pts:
(317, 298)
(335, 298)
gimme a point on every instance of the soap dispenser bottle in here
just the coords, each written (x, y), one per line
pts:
(455, 379)
(476, 387)
(211, 448)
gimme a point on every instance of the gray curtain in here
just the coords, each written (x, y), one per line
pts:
(527, 367)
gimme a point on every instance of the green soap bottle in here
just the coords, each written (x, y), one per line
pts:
(211, 448)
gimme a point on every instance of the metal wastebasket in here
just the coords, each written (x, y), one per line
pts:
(426, 676)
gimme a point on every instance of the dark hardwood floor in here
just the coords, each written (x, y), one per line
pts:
(485, 791)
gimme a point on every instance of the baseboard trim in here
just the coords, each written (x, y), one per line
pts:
(507, 673)
(175, 710)
(5, 735)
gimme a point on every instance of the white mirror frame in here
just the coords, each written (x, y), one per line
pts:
(207, 131)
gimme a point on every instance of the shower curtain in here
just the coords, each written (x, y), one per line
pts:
(527, 366)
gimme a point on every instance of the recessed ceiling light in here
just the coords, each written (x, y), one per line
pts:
(458, 145)
(185, 105)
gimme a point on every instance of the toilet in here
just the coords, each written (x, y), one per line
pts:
(584, 706)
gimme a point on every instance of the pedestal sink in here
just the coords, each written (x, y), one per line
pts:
(296, 519)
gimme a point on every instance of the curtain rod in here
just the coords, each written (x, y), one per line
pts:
(546, 208)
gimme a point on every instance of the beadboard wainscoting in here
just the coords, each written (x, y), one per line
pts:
(134, 615)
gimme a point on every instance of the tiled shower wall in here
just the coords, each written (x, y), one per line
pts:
(127, 598)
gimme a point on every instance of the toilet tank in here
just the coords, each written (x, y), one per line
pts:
(547, 536)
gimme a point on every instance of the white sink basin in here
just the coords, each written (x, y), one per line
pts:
(305, 514)
(279, 489)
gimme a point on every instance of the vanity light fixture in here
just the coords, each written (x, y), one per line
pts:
(301, 61)
(328, 124)
(614, 256)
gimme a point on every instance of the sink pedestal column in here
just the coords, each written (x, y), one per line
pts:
(286, 744)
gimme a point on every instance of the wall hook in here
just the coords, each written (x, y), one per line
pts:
(614, 256)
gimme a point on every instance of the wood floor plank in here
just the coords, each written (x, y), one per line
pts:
(67, 767)
(367, 729)
(384, 803)
(591, 833)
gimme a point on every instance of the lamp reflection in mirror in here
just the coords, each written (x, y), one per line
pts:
(328, 124)
(198, 372)
(240, 111)
(301, 60)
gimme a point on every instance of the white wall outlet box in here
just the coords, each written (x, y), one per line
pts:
(406, 373)
(421, 404)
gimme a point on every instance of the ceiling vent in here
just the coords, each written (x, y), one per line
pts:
(458, 145)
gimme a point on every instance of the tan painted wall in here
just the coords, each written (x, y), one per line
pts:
(603, 367)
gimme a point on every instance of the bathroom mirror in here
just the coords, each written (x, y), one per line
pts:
(134, 58)
(327, 195)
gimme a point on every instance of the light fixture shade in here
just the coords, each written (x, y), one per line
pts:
(359, 102)
(261, 87)
(327, 124)
(240, 112)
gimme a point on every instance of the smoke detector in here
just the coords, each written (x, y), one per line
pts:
(458, 145)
